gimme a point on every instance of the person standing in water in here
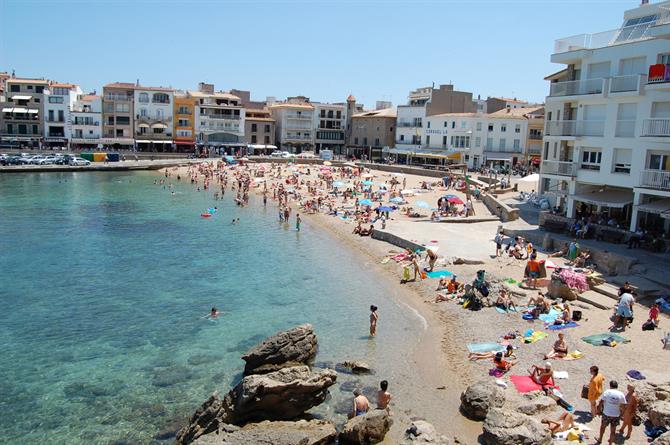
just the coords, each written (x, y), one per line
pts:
(297, 222)
(373, 320)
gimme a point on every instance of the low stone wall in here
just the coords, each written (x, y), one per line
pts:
(408, 170)
(500, 209)
(396, 240)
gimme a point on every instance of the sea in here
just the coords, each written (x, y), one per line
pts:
(105, 282)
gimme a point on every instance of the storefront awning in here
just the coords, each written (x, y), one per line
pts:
(658, 207)
(159, 125)
(184, 142)
(143, 125)
(21, 97)
(147, 141)
(7, 110)
(33, 111)
(607, 198)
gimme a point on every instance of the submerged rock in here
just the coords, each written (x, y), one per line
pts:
(296, 346)
(171, 376)
(367, 429)
(85, 390)
(479, 398)
(279, 395)
(302, 432)
(355, 367)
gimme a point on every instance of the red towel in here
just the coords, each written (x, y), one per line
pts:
(524, 383)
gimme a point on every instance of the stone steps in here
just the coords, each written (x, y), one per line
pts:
(608, 290)
(596, 299)
(642, 285)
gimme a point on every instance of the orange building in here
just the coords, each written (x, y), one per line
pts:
(184, 122)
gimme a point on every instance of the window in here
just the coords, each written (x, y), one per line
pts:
(38, 89)
(462, 124)
(479, 126)
(517, 144)
(183, 123)
(478, 142)
(503, 143)
(55, 100)
(15, 89)
(402, 137)
(10, 128)
(490, 127)
(23, 129)
(122, 108)
(428, 124)
(659, 162)
(122, 120)
(622, 160)
(591, 158)
(253, 138)
(427, 140)
(365, 141)
(143, 130)
(549, 116)
(35, 129)
(376, 142)
(489, 143)
(157, 130)
(61, 116)
(51, 116)
(444, 141)
(503, 128)
(254, 128)
(183, 110)
(143, 112)
(109, 108)
(110, 120)
(517, 128)
(356, 140)
(267, 128)
(144, 98)
(453, 124)
(460, 141)
(445, 124)
(267, 140)
(546, 150)
(338, 114)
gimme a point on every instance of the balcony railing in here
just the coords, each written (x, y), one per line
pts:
(536, 137)
(563, 168)
(221, 116)
(576, 87)
(659, 73)
(409, 124)
(575, 128)
(118, 98)
(656, 127)
(625, 128)
(603, 39)
(299, 116)
(56, 120)
(620, 84)
(86, 123)
(655, 179)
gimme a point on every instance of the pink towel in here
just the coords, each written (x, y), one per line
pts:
(524, 383)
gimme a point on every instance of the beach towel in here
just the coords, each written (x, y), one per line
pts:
(574, 355)
(503, 311)
(561, 374)
(535, 336)
(439, 274)
(524, 383)
(550, 317)
(558, 327)
(485, 347)
(597, 339)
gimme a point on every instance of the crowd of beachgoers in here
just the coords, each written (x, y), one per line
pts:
(515, 298)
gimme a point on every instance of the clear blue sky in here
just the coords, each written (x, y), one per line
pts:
(377, 50)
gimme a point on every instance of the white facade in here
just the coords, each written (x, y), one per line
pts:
(330, 123)
(86, 120)
(219, 119)
(295, 126)
(58, 101)
(483, 139)
(607, 132)
(409, 129)
(153, 117)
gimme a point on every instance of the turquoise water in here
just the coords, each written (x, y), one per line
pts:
(105, 280)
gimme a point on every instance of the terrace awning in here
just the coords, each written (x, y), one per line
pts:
(7, 110)
(159, 125)
(659, 207)
(143, 125)
(21, 97)
(607, 198)
(20, 110)
(33, 111)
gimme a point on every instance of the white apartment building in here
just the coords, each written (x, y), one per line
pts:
(477, 139)
(219, 120)
(153, 118)
(59, 99)
(86, 122)
(607, 129)
(409, 127)
(330, 123)
(295, 124)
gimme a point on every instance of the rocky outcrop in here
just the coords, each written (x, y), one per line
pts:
(421, 432)
(479, 398)
(367, 429)
(659, 413)
(508, 427)
(355, 367)
(285, 349)
(535, 403)
(648, 394)
(663, 439)
(279, 395)
(302, 432)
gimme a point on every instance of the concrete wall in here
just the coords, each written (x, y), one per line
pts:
(396, 240)
(500, 209)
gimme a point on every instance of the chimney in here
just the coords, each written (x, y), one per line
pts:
(644, 2)
(137, 84)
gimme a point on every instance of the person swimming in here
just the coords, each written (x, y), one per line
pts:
(214, 313)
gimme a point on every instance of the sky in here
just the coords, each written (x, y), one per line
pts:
(325, 50)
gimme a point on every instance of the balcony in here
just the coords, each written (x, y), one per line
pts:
(622, 84)
(656, 127)
(56, 120)
(575, 128)
(221, 116)
(86, 123)
(118, 98)
(154, 119)
(576, 87)
(535, 137)
(561, 168)
(655, 179)
(409, 124)
(299, 116)
(659, 77)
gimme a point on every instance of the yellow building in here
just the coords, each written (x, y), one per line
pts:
(184, 122)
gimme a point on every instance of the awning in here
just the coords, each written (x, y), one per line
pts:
(498, 158)
(184, 143)
(607, 198)
(21, 97)
(33, 111)
(20, 110)
(147, 141)
(658, 207)
(143, 125)
(121, 141)
(84, 141)
(7, 110)
(159, 125)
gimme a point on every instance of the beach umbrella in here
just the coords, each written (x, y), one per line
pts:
(365, 202)
(422, 204)
(368, 183)
(397, 200)
(455, 200)
(385, 209)
(367, 175)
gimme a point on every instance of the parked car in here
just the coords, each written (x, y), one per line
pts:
(63, 160)
(49, 160)
(79, 161)
(36, 160)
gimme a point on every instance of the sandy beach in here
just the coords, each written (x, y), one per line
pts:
(443, 370)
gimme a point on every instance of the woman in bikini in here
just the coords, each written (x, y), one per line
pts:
(560, 348)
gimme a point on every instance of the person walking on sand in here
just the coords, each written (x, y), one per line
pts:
(498, 240)
(629, 411)
(383, 396)
(610, 405)
(374, 316)
(596, 388)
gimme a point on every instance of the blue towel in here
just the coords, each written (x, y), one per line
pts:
(485, 347)
(438, 274)
(550, 317)
(558, 327)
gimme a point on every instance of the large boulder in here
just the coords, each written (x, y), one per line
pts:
(507, 427)
(535, 403)
(280, 395)
(659, 413)
(355, 367)
(302, 432)
(479, 397)
(663, 439)
(367, 429)
(421, 432)
(649, 392)
(294, 347)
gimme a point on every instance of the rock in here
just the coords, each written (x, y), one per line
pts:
(536, 403)
(296, 346)
(649, 392)
(422, 432)
(355, 366)
(479, 397)
(279, 395)
(367, 429)
(458, 261)
(302, 432)
(508, 427)
(663, 439)
(659, 413)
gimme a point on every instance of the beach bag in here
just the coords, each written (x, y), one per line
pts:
(648, 326)
(585, 391)
(576, 315)
(484, 290)
(405, 274)
(609, 342)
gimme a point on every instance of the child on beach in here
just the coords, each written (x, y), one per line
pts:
(373, 320)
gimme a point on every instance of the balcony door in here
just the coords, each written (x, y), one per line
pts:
(658, 161)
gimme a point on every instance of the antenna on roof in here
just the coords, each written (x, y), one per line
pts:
(138, 83)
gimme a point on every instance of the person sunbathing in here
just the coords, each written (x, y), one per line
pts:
(443, 297)
(561, 253)
(560, 349)
(505, 301)
(474, 356)
(565, 316)
(564, 423)
(442, 284)
(453, 286)
(542, 376)
(582, 259)
(501, 364)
